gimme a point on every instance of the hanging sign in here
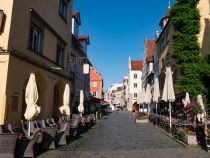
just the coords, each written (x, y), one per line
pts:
(86, 68)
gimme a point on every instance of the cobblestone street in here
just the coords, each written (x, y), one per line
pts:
(117, 135)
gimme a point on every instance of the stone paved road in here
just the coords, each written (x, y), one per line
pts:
(117, 136)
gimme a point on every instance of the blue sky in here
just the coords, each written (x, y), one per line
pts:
(117, 29)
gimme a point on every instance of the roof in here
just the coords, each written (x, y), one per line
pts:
(136, 65)
(76, 15)
(166, 16)
(167, 13)
(150, 46)
(84, 38)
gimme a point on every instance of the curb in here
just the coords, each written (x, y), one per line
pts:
(172, 137)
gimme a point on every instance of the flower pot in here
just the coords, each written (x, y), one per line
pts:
(191, 139)
(142, 120)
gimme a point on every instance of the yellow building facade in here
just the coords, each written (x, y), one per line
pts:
(36, 38)
(204, 35)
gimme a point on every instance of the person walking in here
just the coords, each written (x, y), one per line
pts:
(135, 111)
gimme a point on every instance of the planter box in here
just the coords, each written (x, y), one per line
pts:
(191, 139)
(142, 121)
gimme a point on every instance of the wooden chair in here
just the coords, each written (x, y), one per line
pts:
(62, 133)
(74, 123)
(48, 134)
(7, 141)
(26, 145)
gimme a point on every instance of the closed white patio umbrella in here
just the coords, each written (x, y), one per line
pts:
(186, 100)
(65, 110)
(139, 97)
(201, 117)
(156, 93)
(168, 90)
(142, 97)
(31, 98)
(81, 103)
(148, 96)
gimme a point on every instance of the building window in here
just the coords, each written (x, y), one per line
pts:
(93, 84)
(63, 9)
(135, 95)
(135, 85)
(94, 94)
(2, 21)
(35, 39)
(60, 55)
(135, 76)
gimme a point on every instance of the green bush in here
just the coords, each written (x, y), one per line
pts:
(181, 133)
(185, 18)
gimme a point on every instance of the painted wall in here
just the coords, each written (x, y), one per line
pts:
(48, 10)
(204, 35)
(4, 61)
(7, 7)
(15, 71)
(95, 77)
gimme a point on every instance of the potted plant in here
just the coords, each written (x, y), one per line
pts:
(193, 109)
(190, 138)
(187, 136)
(142, 118)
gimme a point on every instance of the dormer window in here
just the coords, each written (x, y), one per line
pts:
(63, 9)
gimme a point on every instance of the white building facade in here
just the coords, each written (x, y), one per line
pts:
(134, 81)
(115, 95)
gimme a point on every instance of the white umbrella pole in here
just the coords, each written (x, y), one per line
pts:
(29, 128)
(148, 109)
(170, 114)
(156, 113)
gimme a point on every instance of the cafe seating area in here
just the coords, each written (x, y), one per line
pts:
(33, 137)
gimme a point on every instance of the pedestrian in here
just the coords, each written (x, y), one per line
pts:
(135, 111)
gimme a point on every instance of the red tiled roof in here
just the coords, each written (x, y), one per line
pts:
(167, 13)
(136, 65)
(86, 38)
(76, 15)
(150, 45)
(150, 58)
